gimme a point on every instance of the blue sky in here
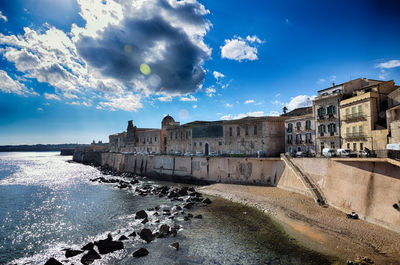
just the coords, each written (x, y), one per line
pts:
(77, 70)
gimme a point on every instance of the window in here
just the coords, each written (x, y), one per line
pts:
(361, 146)
(290, 128)
(247, 130)
(348, 145)
(347, 112)
(298, 125)
(289, 139)
(360, 129)
(171, 135)
(176, 135)
(354, 130)
(359, 110)
(333, 145)
(331, 110)
(348, 133)
(354, 146)
(255, 129)
(353, 111)
(230, 131)
(194, 144)
(308, 125)
(321, 129)
(220, 143)
(238, 131)
(155, 139)
(201, 144)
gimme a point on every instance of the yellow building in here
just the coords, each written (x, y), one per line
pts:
(363, 117)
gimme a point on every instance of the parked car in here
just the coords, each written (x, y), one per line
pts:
(199, 153)
(213, 153)
(345, 153)
(188, 154)
(329, 152)
(300, 154)
(177, 153)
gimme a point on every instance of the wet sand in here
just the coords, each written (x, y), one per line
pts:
(325, 230)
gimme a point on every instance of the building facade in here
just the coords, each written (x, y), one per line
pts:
(393, 116)
(364, 117)
(247, 136)
(300, 133)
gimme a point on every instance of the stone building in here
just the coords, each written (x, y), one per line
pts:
(148, 141)
(300, 131)
(393, 116)
(117, 142)
(364, 116)
(245, 136)
(327, 115)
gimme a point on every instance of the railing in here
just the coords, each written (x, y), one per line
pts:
(320, 118)
(355, 135)
(354, 116)
(299, 141)
(331, 116)
(289, 142)
(309, 141)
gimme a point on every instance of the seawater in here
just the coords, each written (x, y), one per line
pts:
(48, 203)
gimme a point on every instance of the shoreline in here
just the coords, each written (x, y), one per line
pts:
(325, 230)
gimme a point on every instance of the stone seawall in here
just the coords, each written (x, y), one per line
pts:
(368, 187)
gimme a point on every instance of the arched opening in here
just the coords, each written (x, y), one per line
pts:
(206, 149)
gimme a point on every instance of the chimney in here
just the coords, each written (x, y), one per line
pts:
(333, 84)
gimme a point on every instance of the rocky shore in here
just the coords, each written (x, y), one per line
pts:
(326, 230)
(153, 220)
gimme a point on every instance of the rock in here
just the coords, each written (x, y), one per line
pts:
(174, 232)
(175, 245)
(182, 192)
(191, 189)
(146, 235)
(88, 246)
(141, 215)
(107, 246)
(135, 181)
(164, 230)
(121, 238)
(207, 201)
(157, 207)
(53, 261)
(71, 253)
(140, 253)
(190, 215)
(188, 205)
(133, 234)
(145, 220)
(90, 257)
(178, 208)
(199, 216)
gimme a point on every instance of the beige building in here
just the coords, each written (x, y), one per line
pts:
(245, 136)
(364, 117)
(300, 131)
(393, 116)
(327, 114)
(117, 142)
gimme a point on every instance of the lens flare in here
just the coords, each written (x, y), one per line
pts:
(145, 69)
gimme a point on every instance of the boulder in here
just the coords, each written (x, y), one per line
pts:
(107, 246)
(53, 261)
(141, 214)
(188, 205)
(140, 253)
(175, 245)
(71, 253)
(164, 230)
(199, 216)
(146, 235)
(133, 234)
(123, 237)
(207, 201)
(90, 257)
(88, 246)
(174, 232)
(145, 220)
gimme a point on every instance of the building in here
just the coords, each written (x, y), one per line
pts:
(327, 115)
(300, 131)
(393, 116)
(117, 142)
(247, 136)
(363, 116)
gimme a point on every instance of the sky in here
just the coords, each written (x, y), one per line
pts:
(73, 71)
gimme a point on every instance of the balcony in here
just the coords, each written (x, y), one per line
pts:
(355, 135)
(298, 129)
(331, 116)
(289, 141)
(328, 135)
(309, 141)
(299, 141)
(320, 118)
(289, 130)
(358, 116)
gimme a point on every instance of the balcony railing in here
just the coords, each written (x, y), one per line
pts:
(289, 141)
(330, 116)
(354, 116)
(309, 141)
(355, 135)
(320, 118)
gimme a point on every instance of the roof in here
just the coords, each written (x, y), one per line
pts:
(298, 112)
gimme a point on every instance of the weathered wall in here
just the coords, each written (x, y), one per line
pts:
(366, 186)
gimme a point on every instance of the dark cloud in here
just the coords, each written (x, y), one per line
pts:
(121, 49)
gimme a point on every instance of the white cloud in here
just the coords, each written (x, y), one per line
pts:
(383, 74)
(274, 113)
(70, 61)
(51, 96)
(191, 98)
(389, 64)
(3, 17)
(249, 101)
(218, 75)
(40, 109)
(194, 106)
(128, 102)
(278, 95)
(240, 49)
(227, 105)
(9, 85)
(322, 80)
(210, 91)
(300, 101)
(277, 102)
(165, 98)
(243, 115)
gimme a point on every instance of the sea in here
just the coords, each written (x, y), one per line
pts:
(49, 204)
